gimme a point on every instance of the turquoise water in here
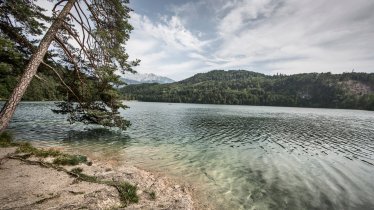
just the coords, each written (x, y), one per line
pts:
(238, 157)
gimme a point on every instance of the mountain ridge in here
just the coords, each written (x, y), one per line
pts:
(321, 90)
(145, 78)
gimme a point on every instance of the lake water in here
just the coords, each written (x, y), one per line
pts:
(238, 157)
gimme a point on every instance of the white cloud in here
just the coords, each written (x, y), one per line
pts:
(297, 36)
(288, 36)
(169, 30)
(164, 46)
(244, 13)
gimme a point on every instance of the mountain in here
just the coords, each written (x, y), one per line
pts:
(347, 90)
(145, 78)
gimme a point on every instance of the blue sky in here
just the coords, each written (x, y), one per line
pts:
(179, 38)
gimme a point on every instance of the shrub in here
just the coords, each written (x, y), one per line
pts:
(70, 160)
(6, 139)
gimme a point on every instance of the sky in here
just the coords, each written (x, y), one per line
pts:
(179, 38)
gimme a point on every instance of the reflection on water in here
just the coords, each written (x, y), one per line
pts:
(241, 157)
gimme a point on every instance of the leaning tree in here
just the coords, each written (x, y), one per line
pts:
(20, 21)
(90, 36)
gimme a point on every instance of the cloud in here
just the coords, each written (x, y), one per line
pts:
(168, 30)
(297, 36)
(269, 36)
(244, 14)
(164, 46)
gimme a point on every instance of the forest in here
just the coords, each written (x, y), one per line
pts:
(323, 90)
(45, 86)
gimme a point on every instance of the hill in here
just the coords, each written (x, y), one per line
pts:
(325, 90)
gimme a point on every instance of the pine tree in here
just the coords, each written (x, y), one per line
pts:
(90, 36)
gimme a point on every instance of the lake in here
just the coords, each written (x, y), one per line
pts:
(238, 157)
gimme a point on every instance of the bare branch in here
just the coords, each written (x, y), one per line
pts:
(88, 30)
(81, 23)
(75, 35)
(57, 4)
(85, 16)
(72, 59)
(92, 12)
(62, 81)
(40, 78)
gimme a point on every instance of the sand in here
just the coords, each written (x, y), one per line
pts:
(27, 186)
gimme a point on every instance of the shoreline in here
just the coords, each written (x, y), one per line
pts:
(27, 185)
(218, 104)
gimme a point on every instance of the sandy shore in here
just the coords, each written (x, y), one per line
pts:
(32, 186)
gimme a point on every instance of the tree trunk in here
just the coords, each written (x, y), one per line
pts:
(32, 67)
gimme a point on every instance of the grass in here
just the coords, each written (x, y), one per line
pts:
(84, 177)
(6, 139)
(126, 191)
(26, 147)
(72, 160)
(60, 158)
(152, 195)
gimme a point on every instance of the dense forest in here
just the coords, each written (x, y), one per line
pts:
(347, 90)
(45, 86)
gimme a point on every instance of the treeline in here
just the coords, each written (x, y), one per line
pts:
(347, 90)
(45, 86)
(12, 62)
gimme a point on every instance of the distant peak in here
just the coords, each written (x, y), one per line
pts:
(139, 78)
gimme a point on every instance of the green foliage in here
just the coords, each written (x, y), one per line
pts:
(83, 78)
(48, 153)
(84, 177)
(16, 49)
(70, 160)
(28, 20)
(6, 139)
(26, 147)
(127, 192)
(347, 90)
(152, 195)
(92, 75)
(26, 13)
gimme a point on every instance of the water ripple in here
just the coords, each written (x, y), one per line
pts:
(243, 157)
